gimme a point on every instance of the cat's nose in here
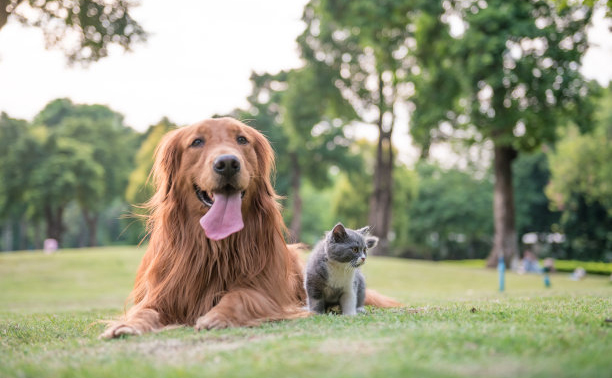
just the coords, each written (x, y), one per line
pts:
(362, 260)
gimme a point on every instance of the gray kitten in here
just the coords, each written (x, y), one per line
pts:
(332, 273)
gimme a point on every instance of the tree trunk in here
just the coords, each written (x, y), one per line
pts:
(7, 236)
(23, 234)
(92, 227)
(295, 228)
(505, 241)
(37, 235)
(54, 219)
(380, 202)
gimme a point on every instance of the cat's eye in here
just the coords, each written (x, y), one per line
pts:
(197, 142)
(355, 249)
(242, 140)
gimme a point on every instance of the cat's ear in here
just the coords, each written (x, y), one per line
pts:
(365, 230)
(371, 241)
(339, 233)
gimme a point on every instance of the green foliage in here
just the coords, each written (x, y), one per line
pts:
(405, 195)
(15, 160)
(451, 215)
(583, 163)
(83, 29)
(313, 114)
(140, 188)
(368, 47)
(71, 153)
(66, 170)
(303, 119)
(514, 68)
(606, 4)
(350, 200)
(519, 71)
(353, 189)
(316, 216)
(456, 325)
(591, 267)
(531, 175)
(581, 173)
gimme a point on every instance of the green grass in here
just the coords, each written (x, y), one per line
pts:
(456, 325)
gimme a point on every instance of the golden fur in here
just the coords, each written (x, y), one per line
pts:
(186, 278)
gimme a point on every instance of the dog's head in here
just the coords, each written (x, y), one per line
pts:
(215, 168)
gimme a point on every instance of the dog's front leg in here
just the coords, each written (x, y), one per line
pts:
(240, 308)
(137, 322)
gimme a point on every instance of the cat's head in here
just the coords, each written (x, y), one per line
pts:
(350, 246)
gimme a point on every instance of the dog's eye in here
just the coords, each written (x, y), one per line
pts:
(242, 140)
(197, 142)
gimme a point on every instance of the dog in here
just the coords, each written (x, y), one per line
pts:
(217, 256)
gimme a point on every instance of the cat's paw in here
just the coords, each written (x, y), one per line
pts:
(361, 310)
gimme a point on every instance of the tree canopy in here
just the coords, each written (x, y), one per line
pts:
(519, 77)
(82, 29)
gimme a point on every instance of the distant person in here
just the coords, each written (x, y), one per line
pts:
(578, 274)
(530, 263)
(50, 245)
(549, 264)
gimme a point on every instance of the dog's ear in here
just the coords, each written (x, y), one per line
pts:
(167, 162)
(265, 156)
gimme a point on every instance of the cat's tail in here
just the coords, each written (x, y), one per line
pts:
(373, 298)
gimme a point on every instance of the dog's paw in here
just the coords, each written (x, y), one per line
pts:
(119, 330)
(212, 320)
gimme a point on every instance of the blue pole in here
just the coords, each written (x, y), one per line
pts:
(546, 277)
(501, 266)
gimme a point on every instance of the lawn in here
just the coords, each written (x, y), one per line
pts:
(456, 324)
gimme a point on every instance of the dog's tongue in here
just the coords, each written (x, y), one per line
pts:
(224, 217)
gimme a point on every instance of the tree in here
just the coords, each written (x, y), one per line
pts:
(519, 80)
(83, 29)
(15, 162)
(451, 215)
(315, 113)
(353, 189)
(606, 4)
(85, 154)
(303, 118)
(64, 168)
(581, 173)
(533, 213)
(368, 45)
(582, 164)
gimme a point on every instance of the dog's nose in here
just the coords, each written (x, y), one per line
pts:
(226, 165)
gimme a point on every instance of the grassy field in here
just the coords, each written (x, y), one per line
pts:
(456, 324)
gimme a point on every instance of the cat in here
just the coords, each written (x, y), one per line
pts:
(332, 272)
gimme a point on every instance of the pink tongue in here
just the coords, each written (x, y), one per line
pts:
(224, 217)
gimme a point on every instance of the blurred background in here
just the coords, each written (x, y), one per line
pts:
(457, 129)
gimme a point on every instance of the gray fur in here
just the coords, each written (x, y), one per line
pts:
(333, 277)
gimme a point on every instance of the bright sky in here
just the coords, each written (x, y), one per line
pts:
(196, 63)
